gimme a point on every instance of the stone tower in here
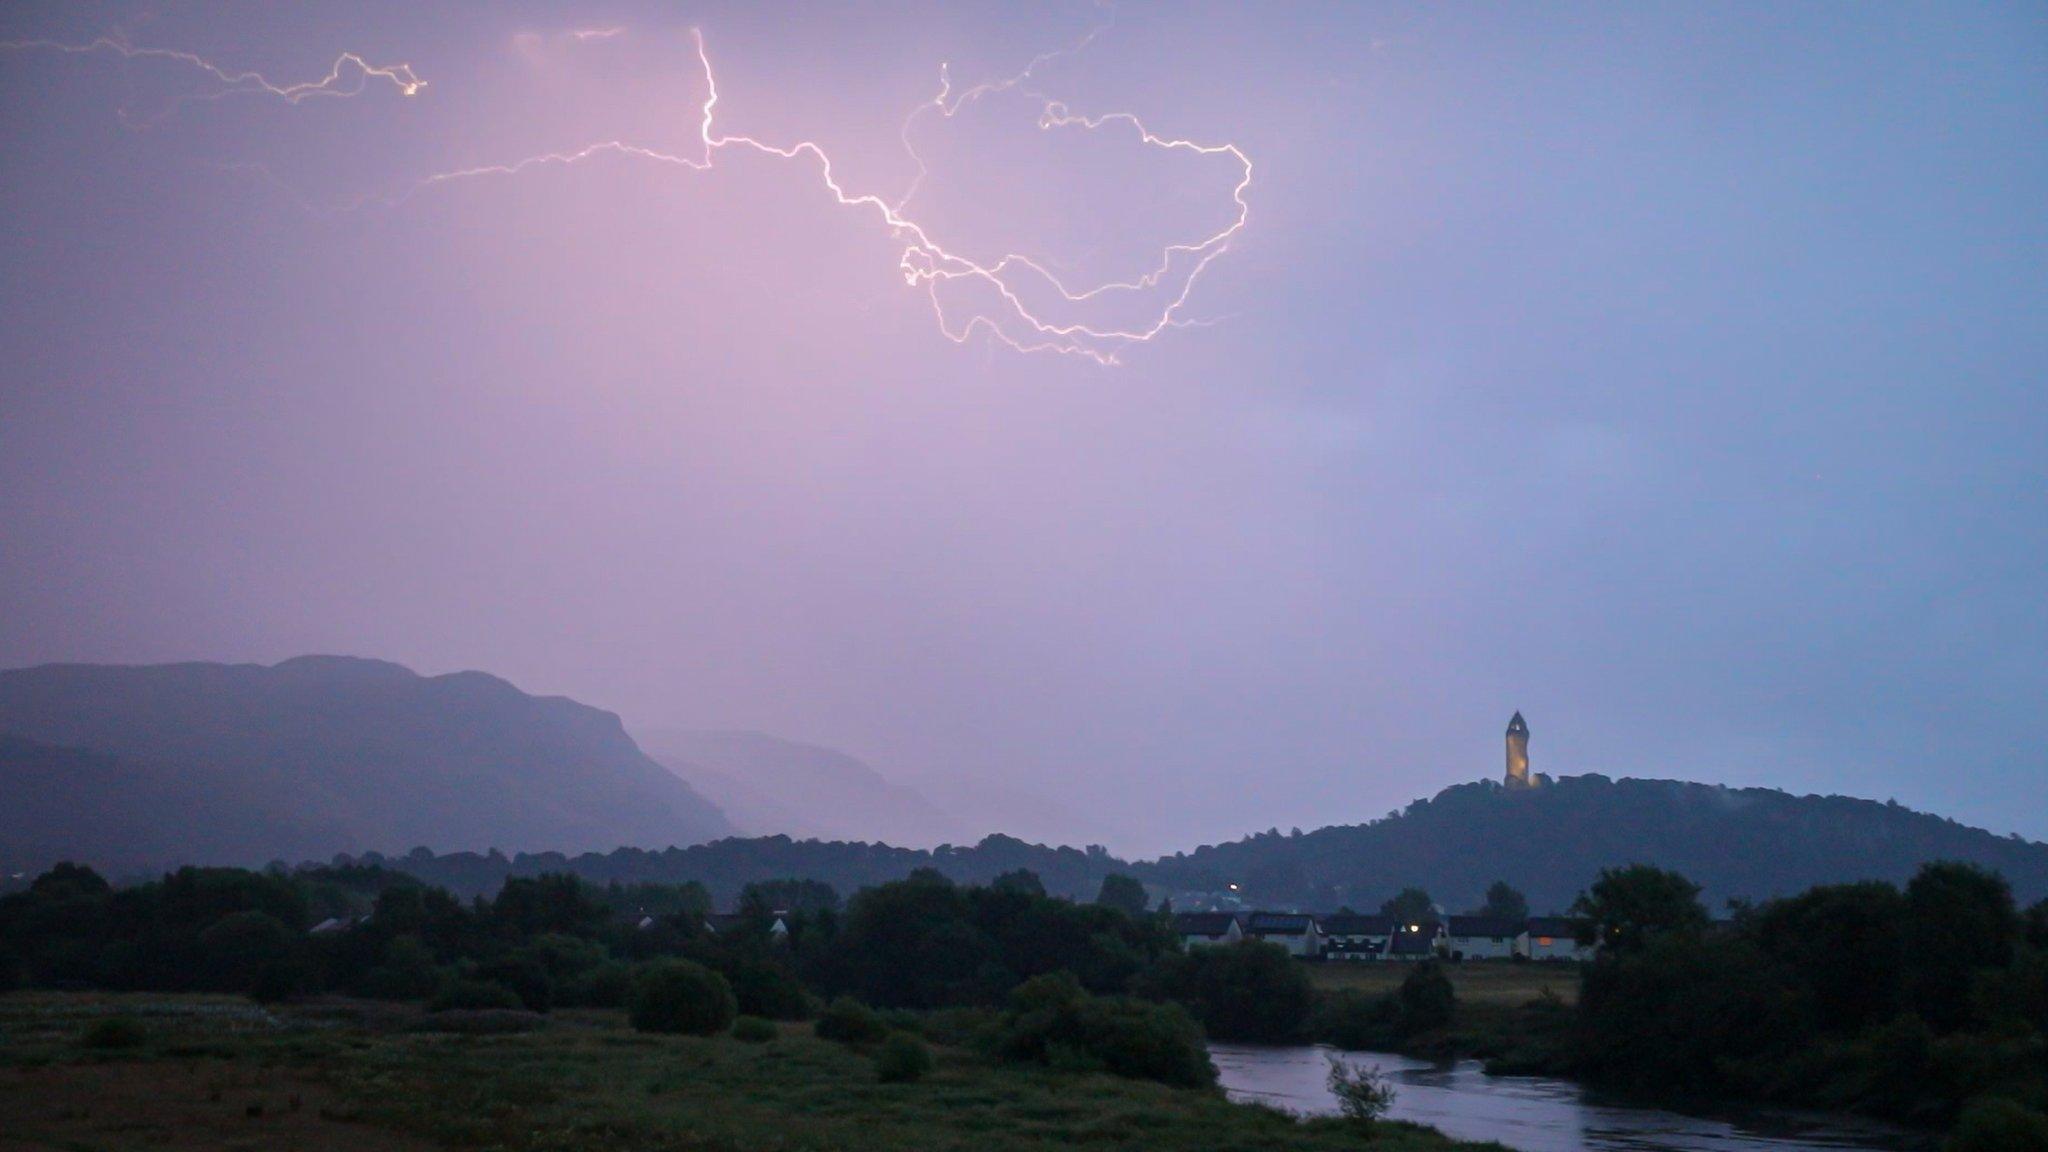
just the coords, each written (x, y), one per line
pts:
(1518, 754)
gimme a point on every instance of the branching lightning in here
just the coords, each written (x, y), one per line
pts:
(926, 263)
(349, 75)
(1005, 284)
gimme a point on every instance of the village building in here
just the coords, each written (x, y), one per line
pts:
(1207, 929)
(1554, 938)
(1348, 936)
(1297, 932)
(1483, 938)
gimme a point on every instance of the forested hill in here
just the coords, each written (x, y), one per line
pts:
(136, 767)
(1550, 842)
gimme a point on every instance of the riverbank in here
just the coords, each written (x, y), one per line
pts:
(1543, 1114)
(1516, 1018)
(192, 1072)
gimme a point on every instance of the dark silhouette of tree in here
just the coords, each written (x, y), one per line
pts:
(1410, 906)
(1627, 907)
(1123, 894)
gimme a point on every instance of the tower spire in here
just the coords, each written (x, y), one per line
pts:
(1518, 754)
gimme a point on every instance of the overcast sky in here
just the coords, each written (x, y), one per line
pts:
(1674, 375)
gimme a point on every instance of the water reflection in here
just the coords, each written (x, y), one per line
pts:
(1532, 1113)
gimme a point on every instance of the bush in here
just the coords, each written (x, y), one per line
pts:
(1355, 1021)
(678, 996)
(473, 995)
(765, 987)
(526, 977)
(1251, 991)
(1426, 998)
(605, 986)
(115, 1032)
(1994, 1125)
(754, 1030)
(850, 1022)
(1363, 1092)
(901, 1059)
(1052, 1021)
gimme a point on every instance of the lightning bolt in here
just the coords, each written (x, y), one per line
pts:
(349, 75)
(927, 264)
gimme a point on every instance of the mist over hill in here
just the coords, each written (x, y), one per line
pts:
(140, 766)
(767, 785)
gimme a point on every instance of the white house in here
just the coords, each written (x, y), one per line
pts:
(1297, 932)
(1207, 929)
(1351, 937)
(1483, 938)
(1554, 938)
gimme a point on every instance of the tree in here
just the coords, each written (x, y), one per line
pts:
(1960, 919)
(1505, 902)
(1022, 881)
(1412, 906)
(1845, 944)
(1627, 907)
(1250, 991)
(1124, 894)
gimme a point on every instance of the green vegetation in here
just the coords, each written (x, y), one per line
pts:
(1250, 991)
(754, 1030)
(1053, 1021)
(1911, 1005)
(849, 1021)
(347, 1074)
(901, 1059)
(676, 996)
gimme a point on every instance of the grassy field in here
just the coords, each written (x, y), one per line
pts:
(1490, 983)
(220, 1073)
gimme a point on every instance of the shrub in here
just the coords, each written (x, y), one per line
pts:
(1052, 1021)
(1427, 999)
(902, 1058)
(605, 986)
(115, 1032)
(525, 976)
(754, 1030)
(1251, 991)
(1995, 1125)
(681, 997)
(1363, 1092)
(764, 986)
(473, 995)
(1354, 1021)
(850, 1022)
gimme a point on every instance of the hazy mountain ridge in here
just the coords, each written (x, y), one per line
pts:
(318, 755)
(767, 785)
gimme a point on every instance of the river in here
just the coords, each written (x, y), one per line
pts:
(1535, 1113)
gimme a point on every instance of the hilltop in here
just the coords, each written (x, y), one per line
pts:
(1750, 843)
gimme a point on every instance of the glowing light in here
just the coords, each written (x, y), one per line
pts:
(926, 263)
(349, 75)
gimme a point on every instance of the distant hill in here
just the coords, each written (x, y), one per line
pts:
(1551, 841)
(133, 767)
(767, 785)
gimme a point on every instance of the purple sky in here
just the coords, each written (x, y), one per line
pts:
(1675, 376)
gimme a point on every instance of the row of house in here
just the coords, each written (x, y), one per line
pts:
(1345, 936)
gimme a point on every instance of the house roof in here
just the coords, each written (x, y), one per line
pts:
(1281, 923)
(1489, 926)
(1411, 944)
(1553, 926)
(1352, 924)
(1203, 923)
(1358, 947)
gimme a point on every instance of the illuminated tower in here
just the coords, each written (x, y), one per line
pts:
(1518, 753)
